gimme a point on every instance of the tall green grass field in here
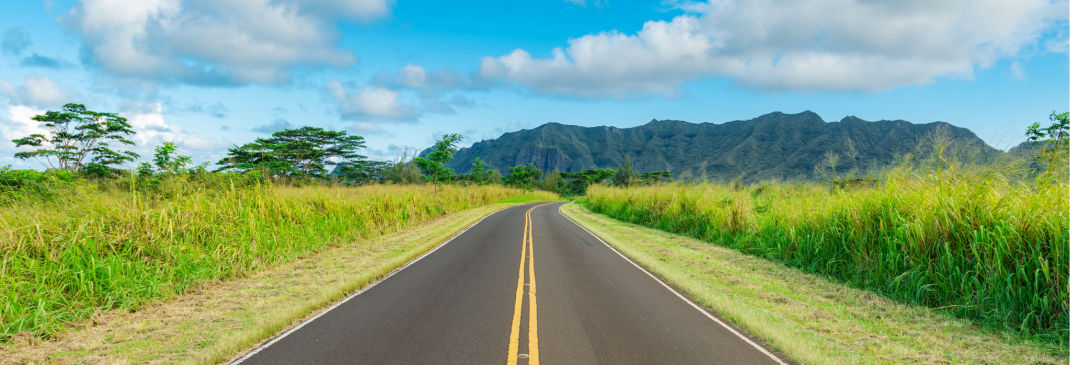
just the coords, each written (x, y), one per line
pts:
(67, 255)
(982, 247)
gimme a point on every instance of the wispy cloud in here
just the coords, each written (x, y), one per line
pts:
(37, 60)
(14, 41)
(276, 125)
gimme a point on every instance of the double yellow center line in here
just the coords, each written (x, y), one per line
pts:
(527, 256)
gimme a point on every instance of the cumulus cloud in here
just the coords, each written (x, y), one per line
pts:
(34, 91)
(371, 103)
(42, 91)
(230, 42)
(152, 129)
(14, 41)
(18, 122)
(845, 45)
(413, 76)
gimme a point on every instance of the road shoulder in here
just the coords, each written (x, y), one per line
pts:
(220, 321)
(806, 317)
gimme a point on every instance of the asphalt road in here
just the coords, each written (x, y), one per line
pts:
(479, 300)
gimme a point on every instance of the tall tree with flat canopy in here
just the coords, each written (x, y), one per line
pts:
(79, 139)
(433, 166)
(301, 152)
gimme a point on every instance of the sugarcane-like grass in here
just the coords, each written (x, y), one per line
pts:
(98, 248)
(976, 245)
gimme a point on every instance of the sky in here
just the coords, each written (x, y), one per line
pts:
(211, 74)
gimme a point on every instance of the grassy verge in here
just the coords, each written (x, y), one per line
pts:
(97, 249)
(977, 245)
(807, 317)
(221, 320)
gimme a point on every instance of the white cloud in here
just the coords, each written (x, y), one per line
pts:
(377, 104)
(851, 45)
(35, 91)
(153, 130)
(417, 77)
(215, 42)
(412, 76)
(41, 91)
(17, 123)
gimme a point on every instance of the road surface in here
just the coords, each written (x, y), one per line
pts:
(524, 286)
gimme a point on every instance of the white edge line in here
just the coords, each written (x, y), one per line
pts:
(681, 296)
(354, 295)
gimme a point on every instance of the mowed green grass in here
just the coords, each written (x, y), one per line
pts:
(96, 249)
(983, 247)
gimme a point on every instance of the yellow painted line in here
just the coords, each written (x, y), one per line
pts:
(533, 314)
(514, 331)
(527, 249)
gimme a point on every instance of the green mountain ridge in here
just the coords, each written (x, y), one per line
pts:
(771, 146)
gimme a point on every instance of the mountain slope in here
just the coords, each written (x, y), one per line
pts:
(772, 146)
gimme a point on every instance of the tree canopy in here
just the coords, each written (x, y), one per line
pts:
(79, 139)
(433, 165)
(523, 176)
(301, 152)
(1054, 140)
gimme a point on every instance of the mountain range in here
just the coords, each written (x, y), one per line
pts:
(771, 146)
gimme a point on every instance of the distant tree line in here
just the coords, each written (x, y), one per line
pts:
(96, 144)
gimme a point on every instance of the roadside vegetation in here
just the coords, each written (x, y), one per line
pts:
(89, 234)
(808, 317)
(86, 235)
(220, 320)
(989, 244)
(97, 250)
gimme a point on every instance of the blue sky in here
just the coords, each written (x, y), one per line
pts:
(209, 74)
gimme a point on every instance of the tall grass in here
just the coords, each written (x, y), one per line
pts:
(101, 248)
(977, 245)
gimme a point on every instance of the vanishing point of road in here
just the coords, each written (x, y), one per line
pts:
(525, 285)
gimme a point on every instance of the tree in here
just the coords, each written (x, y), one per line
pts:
(433, 166)
(552, 181)
(625, 174)
(494, 177)
(651, 178)
(479, 172)
(361, 172)
(523, 176)
(1054, 140)
(301, 152)
(79, 139)
(401, 172)
(168, 161)
(576, 183)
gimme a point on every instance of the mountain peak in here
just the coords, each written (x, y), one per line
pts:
(772, 146)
